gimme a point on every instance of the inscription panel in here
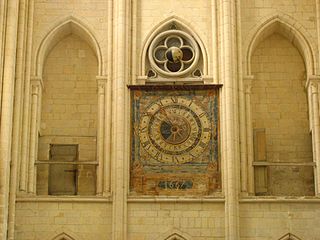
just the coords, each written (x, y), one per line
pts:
(175, 140)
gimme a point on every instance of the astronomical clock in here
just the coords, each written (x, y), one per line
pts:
(174, 142)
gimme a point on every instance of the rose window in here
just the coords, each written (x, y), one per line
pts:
(173, 53)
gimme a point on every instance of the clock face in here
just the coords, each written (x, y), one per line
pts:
(174, 129)
(174, 140)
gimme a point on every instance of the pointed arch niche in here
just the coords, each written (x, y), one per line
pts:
(174, 234)
(67, 112)
(151, 69)
(66, 27)
(280, 149)
(289, 236)
(63, 236)
(289, 29)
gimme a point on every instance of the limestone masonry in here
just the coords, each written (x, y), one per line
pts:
(159, 119)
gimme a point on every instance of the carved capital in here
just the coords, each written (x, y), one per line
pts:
(313, 83)
(101, 83)
(248, 80)
(102, 79)
(36, 85)
(314, 86)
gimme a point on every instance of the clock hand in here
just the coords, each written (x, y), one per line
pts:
(164, 112)
(163, 118)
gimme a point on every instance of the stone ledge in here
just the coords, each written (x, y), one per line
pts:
(280, 200)
(72, 199)
(143, 199)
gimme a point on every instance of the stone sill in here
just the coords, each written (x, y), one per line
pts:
(71, 199)
(280, 200)
(174, 199)
(165, 199)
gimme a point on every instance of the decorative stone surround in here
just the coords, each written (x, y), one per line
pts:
(173, 53)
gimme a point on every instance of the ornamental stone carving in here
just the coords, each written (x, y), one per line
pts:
(173, 53)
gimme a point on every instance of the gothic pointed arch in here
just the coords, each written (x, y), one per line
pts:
(173, 23)
(62, 236)
(174, 234)
(289, 236)
(289, 29)
(70, 25)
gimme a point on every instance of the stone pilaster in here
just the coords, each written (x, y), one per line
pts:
(313, 85)
(318, 27)
(6, 114)
(24, 153)
(101, 84)
(250, 169)
(24, 10)
(36, 89)
(230, 144)
(119, 161)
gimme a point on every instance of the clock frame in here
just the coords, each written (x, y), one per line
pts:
(174, 140)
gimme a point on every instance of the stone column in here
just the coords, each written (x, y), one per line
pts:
(24, 153)
(6, 114)
(108, 98)
(101, 84)
(119, 160)
(17, 115)
(318, 26)
(3, 8)
(250, 169)
(215, 39)
(36, 88)
(313, 88)
(231, 156)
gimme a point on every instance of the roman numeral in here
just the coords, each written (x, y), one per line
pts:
(174, 99)
(144, 129)
(202, 114)
(160, 103)
(202, 144)
(175, 159)
(146, 144)
(158, 155)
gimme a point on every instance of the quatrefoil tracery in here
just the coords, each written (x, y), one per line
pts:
(173, 53)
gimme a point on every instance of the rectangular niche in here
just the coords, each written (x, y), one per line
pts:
(66, 166)
(175, 140)
(63, 175)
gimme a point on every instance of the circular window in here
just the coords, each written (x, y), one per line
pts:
(173, 53)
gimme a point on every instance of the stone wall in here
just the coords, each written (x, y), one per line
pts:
(148, 221)
(202, 221)
(263, 220)
(46, 220)
(69, 116)
(69, 102)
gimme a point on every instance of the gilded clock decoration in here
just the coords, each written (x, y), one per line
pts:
(175, 140)
(174, 130)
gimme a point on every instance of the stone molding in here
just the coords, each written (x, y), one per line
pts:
(174, 234)
(158, 29)
(297, 35)
(61, 30)
(289, 236)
